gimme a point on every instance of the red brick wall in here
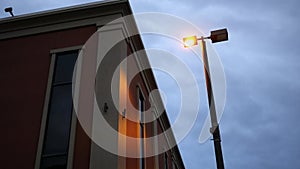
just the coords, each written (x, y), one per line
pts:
(24, 66)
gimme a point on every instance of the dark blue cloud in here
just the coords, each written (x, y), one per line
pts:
(261, 61)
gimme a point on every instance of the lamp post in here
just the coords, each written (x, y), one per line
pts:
(215, 36)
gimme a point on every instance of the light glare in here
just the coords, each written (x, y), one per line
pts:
(190, 41)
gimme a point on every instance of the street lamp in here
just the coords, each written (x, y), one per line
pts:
(215, 36)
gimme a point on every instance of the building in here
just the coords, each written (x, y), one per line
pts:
(39, 126)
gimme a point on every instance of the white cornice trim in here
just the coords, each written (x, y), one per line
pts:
(62, 10)
(64, 18)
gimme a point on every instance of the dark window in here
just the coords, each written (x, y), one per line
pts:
(64, 67)
(166, 161)
(57, 133)
(141, 103)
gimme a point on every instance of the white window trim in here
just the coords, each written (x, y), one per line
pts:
(45, 113)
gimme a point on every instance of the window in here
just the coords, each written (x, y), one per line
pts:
(173, 165)
(141, 102)
(59, 117)
(166, 160)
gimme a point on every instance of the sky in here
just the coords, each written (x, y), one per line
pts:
(261, 65)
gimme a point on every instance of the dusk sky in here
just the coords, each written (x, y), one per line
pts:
(261, 62)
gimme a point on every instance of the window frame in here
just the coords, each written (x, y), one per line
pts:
(166, 160)
(44, 119)
(140, 94)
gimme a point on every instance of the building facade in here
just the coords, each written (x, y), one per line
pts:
(41, 125)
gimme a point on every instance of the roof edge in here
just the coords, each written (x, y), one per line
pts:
(62, 10)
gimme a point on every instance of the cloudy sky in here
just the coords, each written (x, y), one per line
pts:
(261, 64)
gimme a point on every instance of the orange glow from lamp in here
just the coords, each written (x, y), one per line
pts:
(190, 41)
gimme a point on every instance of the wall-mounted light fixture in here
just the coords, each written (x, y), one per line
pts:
(9, 9)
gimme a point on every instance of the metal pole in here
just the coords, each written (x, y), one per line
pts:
(211, 102)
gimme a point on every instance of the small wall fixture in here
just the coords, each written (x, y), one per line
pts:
(105, 107)
(124, 114)
(9, 9)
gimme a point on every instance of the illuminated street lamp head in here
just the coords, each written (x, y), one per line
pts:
(190, 41)
(215, 36)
